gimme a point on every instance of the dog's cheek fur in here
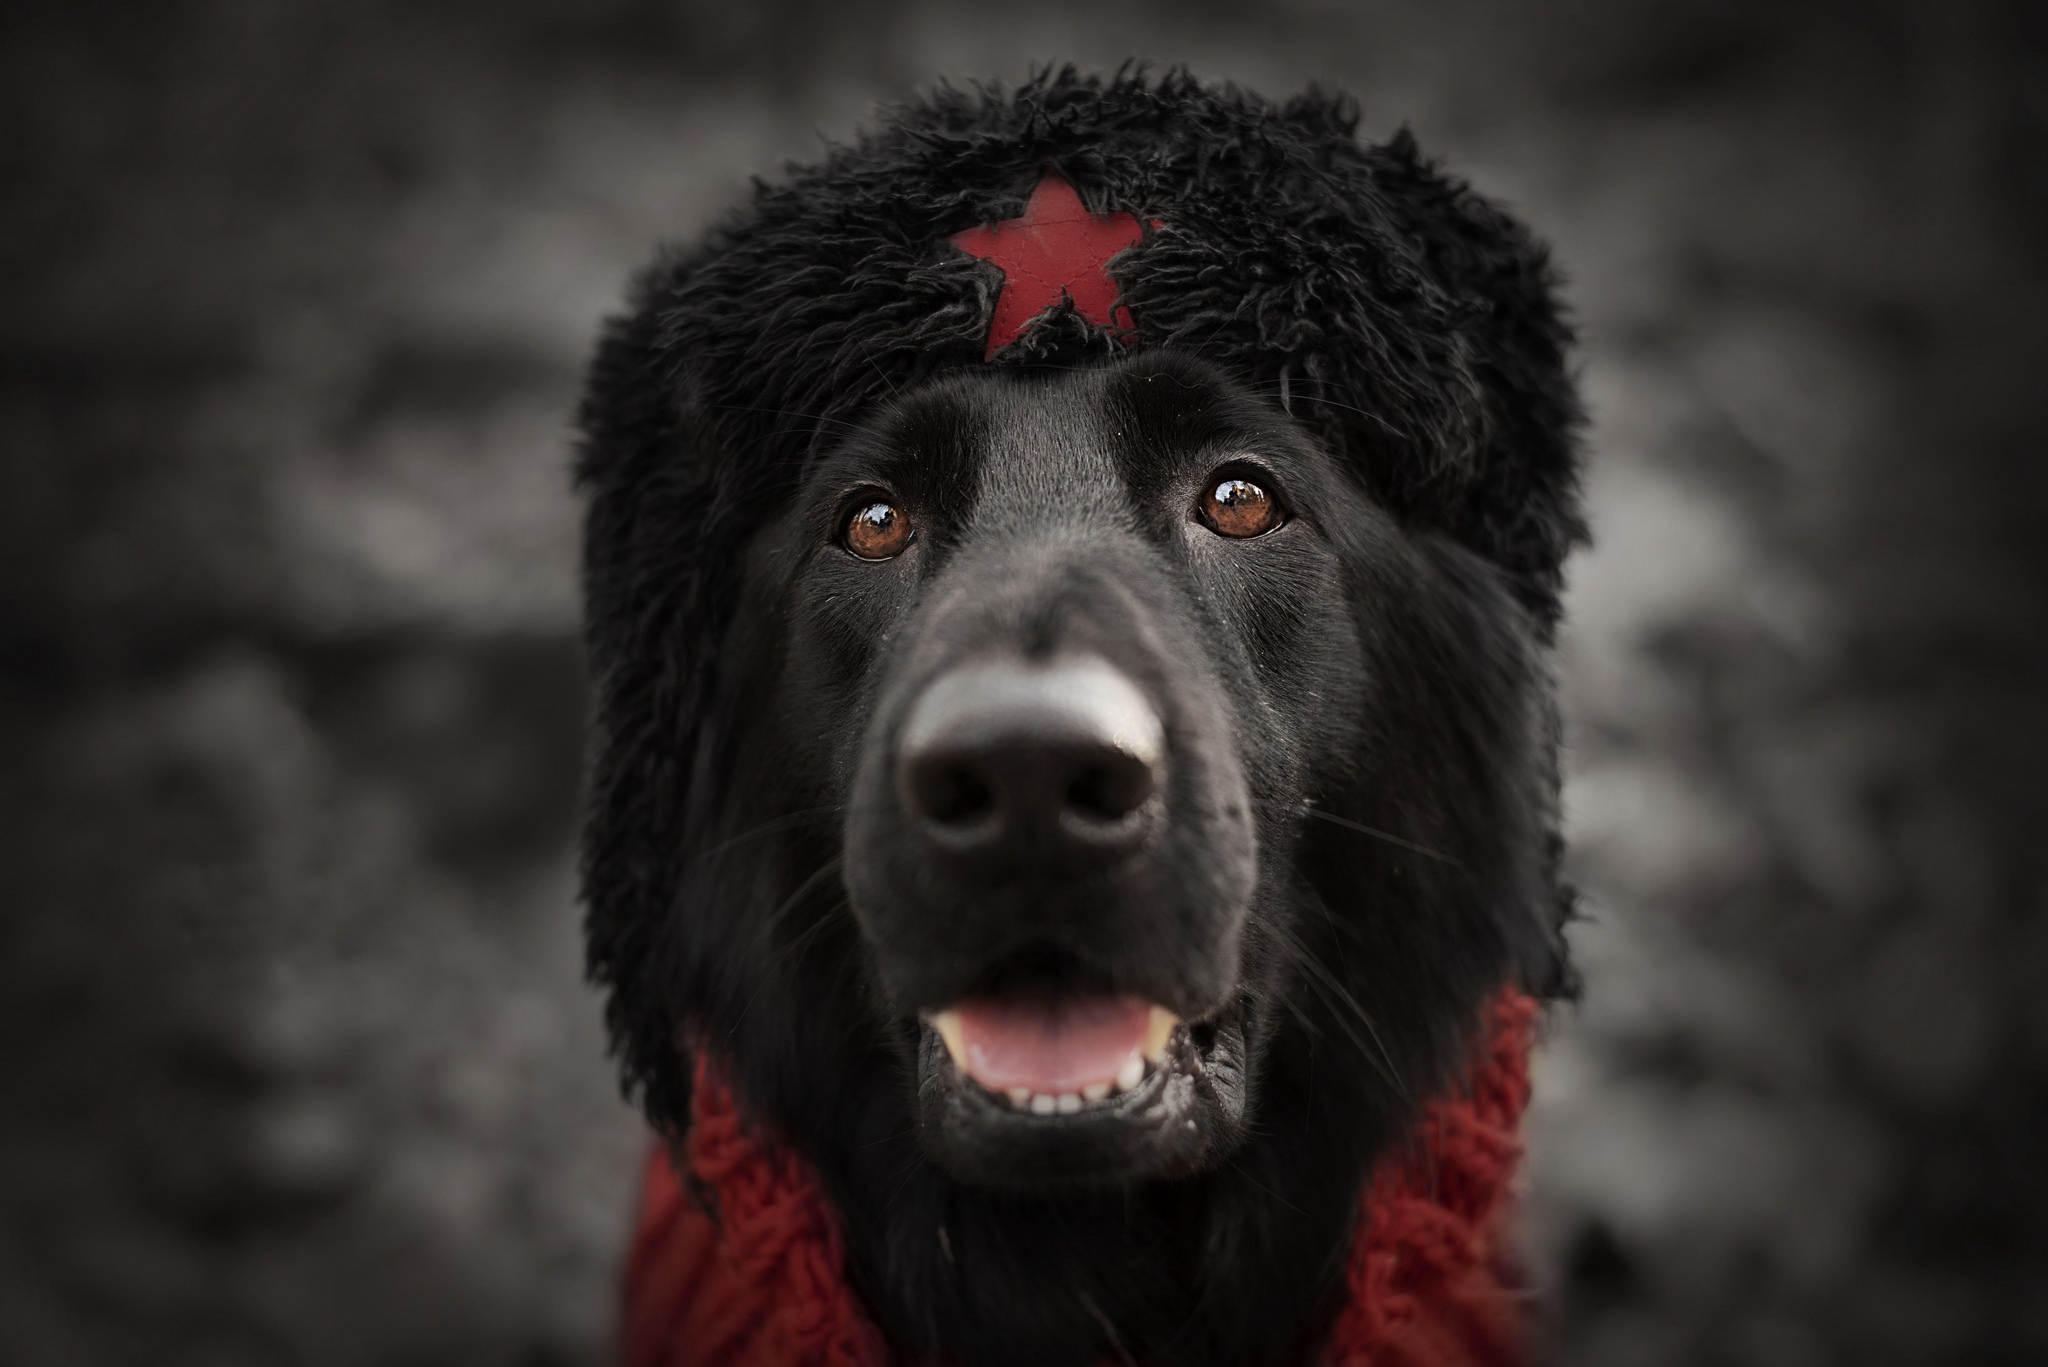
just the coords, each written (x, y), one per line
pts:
(1289, 648)
(1404, 805)
(1428, 856)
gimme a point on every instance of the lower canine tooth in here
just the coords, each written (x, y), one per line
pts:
(1158, 1030)
(1095, 1091)
(1131, 1074)
(1043, 1104)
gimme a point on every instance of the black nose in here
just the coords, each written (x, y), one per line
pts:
(1012, 765)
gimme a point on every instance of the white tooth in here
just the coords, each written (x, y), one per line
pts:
(1069, 1103)
(947, 1023)
(1095, 1091)
(1043, 1104)
(1019, 1096)
(1159, 1029)
(1131, 1074)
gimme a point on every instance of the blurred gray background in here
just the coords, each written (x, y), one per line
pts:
(299, 1065)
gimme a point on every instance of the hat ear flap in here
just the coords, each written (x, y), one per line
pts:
(651, 583)
(1511, 336)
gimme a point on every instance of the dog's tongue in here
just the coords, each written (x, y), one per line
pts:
(1050, 1048)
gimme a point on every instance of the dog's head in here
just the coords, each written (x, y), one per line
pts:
(1072, 749)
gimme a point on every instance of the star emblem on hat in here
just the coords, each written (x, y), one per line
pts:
(1056, 252)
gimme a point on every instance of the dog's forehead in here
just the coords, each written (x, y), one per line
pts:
(1045, 445)
(1069, 440)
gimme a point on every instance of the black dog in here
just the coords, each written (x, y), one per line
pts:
(1082, 782)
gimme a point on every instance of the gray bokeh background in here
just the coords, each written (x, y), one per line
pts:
(299, 1066)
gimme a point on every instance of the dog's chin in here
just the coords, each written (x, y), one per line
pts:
(1183, 1115)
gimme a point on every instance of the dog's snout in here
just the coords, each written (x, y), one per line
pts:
(1048, 767)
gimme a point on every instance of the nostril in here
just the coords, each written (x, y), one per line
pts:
(952, 794)
(1110, 789)
(1002, 764)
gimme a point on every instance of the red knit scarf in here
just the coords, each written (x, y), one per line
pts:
(1429, 1276)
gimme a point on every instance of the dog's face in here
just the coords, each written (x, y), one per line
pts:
(1152, 740)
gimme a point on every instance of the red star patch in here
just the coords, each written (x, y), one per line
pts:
(1056, 251)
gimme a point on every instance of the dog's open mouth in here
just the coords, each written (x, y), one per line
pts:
(1062, 1086)
(1057, 1057)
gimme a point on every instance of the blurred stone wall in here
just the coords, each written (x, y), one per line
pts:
(300, 1066)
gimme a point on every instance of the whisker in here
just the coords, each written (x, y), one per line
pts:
(773, 922)
(780, 823)
(795, 950)
(910, 1171)
(1245, 1173)
(1302, 1017)
(891, 1137)
(1348, 824)
(803, 889)
(1116, 1340)
(885, 376)
(1290, 394)
(1321, 980)
(819, 418)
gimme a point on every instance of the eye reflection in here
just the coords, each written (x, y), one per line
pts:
(878, 531)
(1237, 507)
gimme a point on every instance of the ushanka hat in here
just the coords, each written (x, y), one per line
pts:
(1407, 323)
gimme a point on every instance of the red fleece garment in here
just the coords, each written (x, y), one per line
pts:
(1430, 1276)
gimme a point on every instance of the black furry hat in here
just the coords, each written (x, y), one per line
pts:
(1406, 322)
(1409, 322)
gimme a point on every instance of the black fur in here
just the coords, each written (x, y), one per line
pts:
(1382, 338)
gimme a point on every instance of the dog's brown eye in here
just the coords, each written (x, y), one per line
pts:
(877, 531)
(1238, 507)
